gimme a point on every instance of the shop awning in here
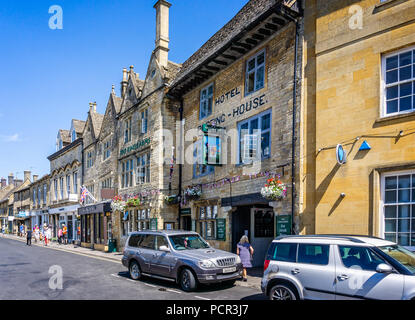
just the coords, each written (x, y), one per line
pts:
(103, 207)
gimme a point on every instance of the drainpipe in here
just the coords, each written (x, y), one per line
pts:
(180, 164)
(294, 138)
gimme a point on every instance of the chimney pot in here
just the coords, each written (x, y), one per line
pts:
(35, 176)
(162, 32)
(11, 179)
(26, 175)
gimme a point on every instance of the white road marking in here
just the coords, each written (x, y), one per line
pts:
(174, 291)
(202, 298)
(150, 285)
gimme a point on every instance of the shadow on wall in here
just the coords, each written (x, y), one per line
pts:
(335, 205)
(322, 188)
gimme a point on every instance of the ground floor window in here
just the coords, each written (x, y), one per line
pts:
(399, 208)
(207, 221)
(143, 219)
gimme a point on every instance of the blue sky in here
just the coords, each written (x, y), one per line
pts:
(48, 77)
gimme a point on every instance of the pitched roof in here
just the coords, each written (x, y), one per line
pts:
(251, 11)
(79, 125)
(172, 70)
(97, 120)
(65, 136)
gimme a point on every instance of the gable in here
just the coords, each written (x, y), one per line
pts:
(154, 77)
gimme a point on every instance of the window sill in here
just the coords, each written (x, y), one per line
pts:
(395, 117)
(387, 4)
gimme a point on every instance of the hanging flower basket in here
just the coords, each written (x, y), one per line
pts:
(133, 202)
(193, 192)
(118, 204)
(274, 190)
(174, 199)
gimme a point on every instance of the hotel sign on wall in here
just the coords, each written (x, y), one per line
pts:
(136, 146)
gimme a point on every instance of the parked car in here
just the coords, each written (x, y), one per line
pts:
(333, 267)
(180, 256)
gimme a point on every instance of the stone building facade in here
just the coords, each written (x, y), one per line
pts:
(101, 178)
(40, 197)
(66, 178)
(146, 119)
(240, 82)
(361, 58)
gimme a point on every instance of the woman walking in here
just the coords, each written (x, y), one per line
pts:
(45, 233)
(245, 251)
(36, 233)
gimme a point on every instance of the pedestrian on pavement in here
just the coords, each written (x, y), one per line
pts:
(245, 252)
(37, 235)
(65, 234)
(21, 230)
(60, 235)
(3, 229)
(29, 237)
(49, 234)
(45, 230)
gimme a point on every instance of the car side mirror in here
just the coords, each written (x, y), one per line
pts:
(164, 248)
(384, 268)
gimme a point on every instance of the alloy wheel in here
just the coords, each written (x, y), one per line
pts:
(282, 293)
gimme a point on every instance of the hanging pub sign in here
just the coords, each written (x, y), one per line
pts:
(340, 154)
(212, 150)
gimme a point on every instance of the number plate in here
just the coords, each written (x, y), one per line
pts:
(229, 270)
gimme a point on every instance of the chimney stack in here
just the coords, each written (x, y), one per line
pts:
(3, 183)
(92, 107)
(11, 179)
(26, 175)
(124, 82)
(162, 32)
(35, 176)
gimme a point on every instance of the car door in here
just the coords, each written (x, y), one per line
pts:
(315, 269)
(356, 276)
(146, 252)
(163, 262)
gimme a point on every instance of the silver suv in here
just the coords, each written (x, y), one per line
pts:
(180, 256)
(337, 267)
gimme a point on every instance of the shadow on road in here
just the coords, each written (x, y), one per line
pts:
(172, 285)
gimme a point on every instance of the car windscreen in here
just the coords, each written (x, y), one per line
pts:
(402, 255)
(187, 242)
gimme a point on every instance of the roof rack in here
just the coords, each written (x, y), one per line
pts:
(343, 237)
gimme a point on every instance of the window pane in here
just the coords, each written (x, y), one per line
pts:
(403, 225)
(390, 196)
(392, 92)
(405, 73)
(405, 89)
(404, 181)
(260, 75)
(313, 254)
(254, 126)
(260, 59)
(391, 183)
(265, 144)
(405, 103)
(405, 58)
(392, 63)
(390, 211)
(392, 76)
(251, 82)
(403, 211)
(390, 237)
(266, 121)
(403, 195)
(403, 239)
(392, 106)
(251, 64)
(285, 252)
(390, 225)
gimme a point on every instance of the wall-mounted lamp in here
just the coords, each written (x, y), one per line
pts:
(342, 194)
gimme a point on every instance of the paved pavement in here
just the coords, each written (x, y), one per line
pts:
(92, 274)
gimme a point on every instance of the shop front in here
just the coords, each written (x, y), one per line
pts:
(68, 215)
(96, 226)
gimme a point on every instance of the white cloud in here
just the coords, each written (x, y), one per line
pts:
(12, 138)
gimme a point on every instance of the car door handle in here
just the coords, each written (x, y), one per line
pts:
(295, 271)
(343, 277)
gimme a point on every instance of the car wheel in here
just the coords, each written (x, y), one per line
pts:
(187, 280)
(135, 271)
(281, 292)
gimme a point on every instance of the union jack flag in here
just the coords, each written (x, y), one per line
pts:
(84, 193)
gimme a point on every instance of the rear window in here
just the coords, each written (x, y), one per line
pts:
(286, 252)
(313, 254)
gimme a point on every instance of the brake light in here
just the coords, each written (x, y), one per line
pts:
(266, 264)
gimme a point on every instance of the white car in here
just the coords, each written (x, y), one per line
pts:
(337, 267)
